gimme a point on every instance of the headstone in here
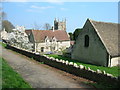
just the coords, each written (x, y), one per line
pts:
(53, 58)
(85, 68)
(104, 72)
(75, 65)
(81, 67)
(98, 71)
(63, 61)
(89, 69)
(70, 63)
(92, 71)
(57, 60)
(109, 75)
(66, 62)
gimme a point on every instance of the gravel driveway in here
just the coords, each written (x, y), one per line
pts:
(41, 75)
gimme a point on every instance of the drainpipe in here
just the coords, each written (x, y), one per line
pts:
(109, 61)
(35, 46)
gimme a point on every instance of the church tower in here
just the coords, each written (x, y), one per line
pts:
(60, 25)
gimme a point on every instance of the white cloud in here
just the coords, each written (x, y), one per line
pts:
(41, 8)
(63, 9)
(35, 8)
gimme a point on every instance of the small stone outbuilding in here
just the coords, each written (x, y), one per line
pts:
(98, 44)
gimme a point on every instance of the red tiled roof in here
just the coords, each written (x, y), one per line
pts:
(39, 35)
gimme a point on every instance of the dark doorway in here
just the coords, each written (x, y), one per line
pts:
(42, 49)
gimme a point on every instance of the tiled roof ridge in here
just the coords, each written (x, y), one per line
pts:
(102, 21)
(58, 34)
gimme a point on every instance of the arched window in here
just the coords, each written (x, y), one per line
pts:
(86, 41)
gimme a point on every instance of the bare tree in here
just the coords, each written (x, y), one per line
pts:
(47, 26)
(2, 18)
(3, 15)
(36, 26)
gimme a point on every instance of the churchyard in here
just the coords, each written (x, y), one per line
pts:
(106, 70)
(111, 70)
(86, 70)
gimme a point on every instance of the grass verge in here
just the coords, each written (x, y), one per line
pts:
(3, 44)
(111, 70)
(10, 78)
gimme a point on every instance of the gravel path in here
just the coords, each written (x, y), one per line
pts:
(41, 75)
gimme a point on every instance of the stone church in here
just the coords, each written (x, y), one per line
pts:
(54, 40)
(98, 44)
(59, 25)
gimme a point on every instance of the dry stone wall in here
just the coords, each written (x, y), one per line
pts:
(70, 67)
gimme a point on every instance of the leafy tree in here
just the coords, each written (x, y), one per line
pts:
(71, 36)
(7, 25)
(76, 33)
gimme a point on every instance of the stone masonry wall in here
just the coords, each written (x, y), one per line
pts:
(95, 53)
(70, 67)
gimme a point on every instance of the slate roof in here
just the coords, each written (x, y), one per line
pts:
(39, 35)
(108, 33)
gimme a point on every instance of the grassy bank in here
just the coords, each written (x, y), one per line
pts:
(10, 78)
(111, 70)
(3, 44)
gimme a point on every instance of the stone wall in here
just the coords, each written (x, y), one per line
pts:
(115, 61)
(71, 67)
(58, 46)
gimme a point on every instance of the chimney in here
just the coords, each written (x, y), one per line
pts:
(53, 28)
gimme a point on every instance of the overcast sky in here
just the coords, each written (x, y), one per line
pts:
(76, 13)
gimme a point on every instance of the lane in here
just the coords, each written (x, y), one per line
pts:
(39, 75)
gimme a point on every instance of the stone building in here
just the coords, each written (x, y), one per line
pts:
(59, 25)
(49, 41)
(4, 34)
(97, 44)
(54, 40)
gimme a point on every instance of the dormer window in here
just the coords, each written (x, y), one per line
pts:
(53, 39)
(46, 39)
(86, 43)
